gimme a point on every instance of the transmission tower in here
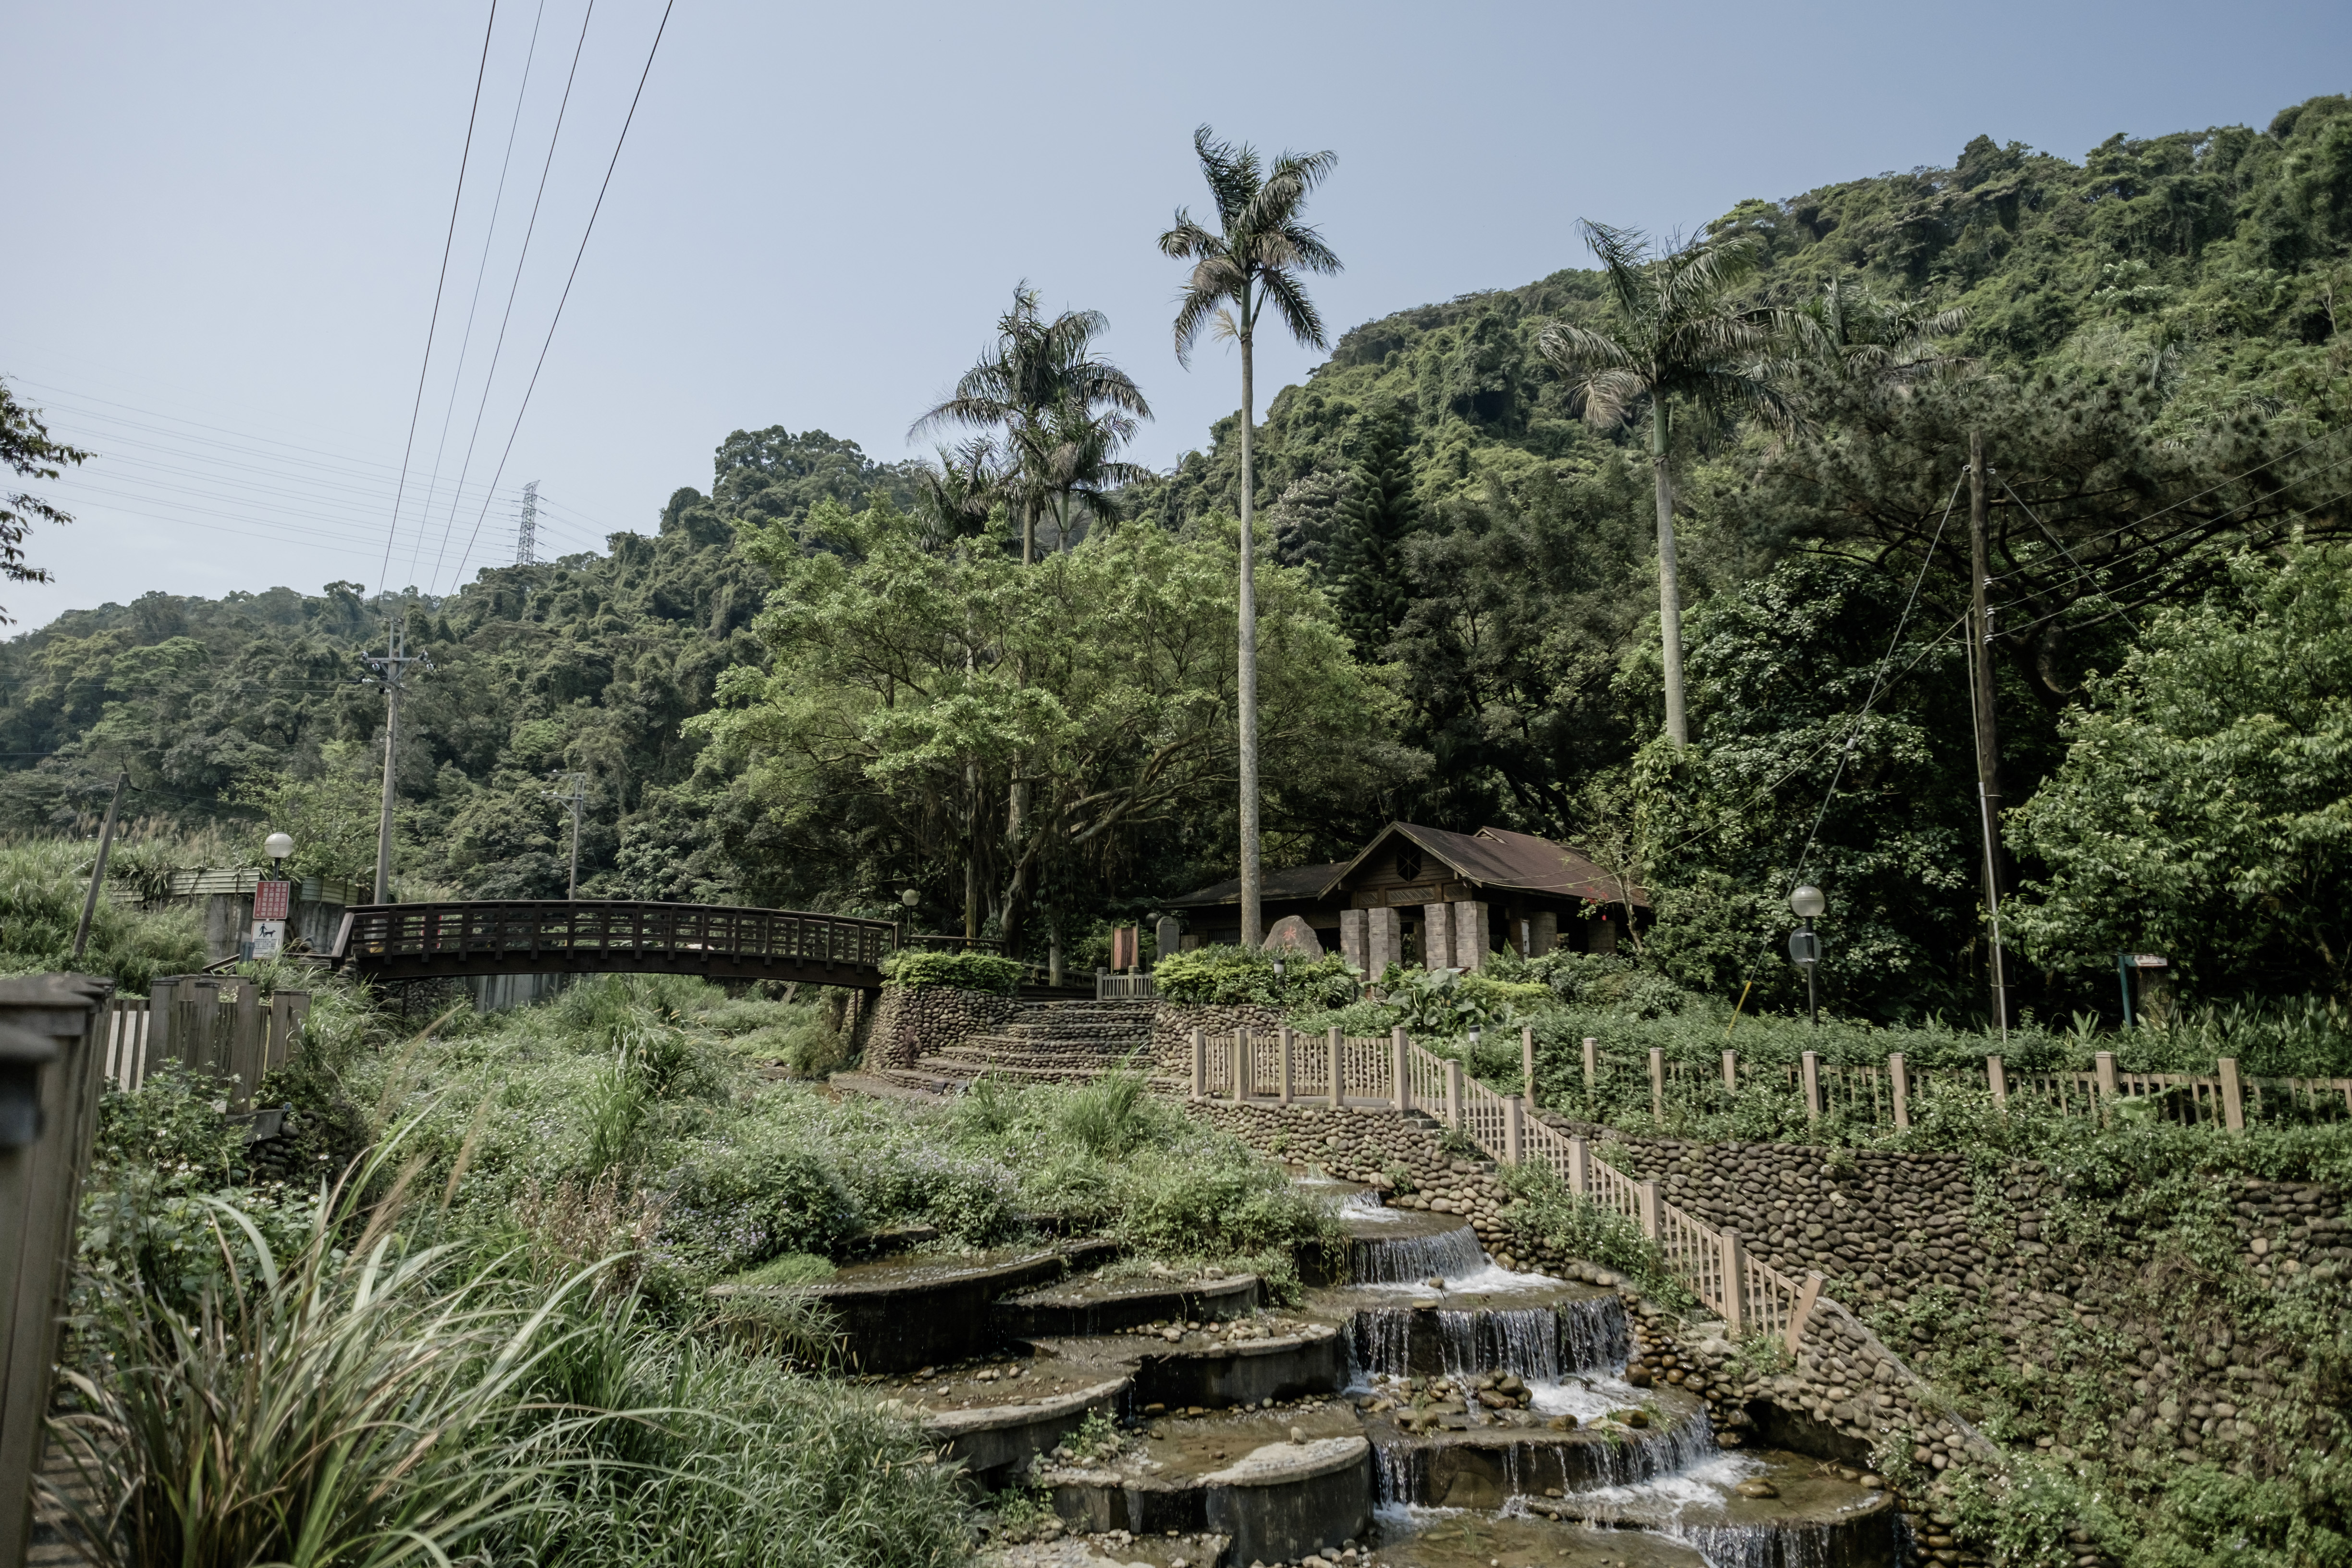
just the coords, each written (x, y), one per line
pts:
(527, 528)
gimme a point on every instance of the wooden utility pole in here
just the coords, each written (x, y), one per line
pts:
(1987, 730)
(98, 871)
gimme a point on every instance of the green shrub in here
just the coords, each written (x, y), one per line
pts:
(985, 971)
(1223, 975)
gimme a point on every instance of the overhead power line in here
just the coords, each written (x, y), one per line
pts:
(489, 237)
(569, 279)
(530, 231)
(434, 324)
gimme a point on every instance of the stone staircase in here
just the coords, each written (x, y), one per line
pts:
(1045, 1042)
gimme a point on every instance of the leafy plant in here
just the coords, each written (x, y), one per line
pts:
(1220, 975)
(911, 967)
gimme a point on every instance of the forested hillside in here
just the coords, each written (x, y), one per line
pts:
(1462, 627)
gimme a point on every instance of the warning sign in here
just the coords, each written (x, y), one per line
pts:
(271, 900)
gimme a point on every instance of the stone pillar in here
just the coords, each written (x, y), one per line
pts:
(1383, 940)
(1168, 936)
(1546, 934)
(1351, 941)
(1474, 935)
(1600, 936)
(1436, 936)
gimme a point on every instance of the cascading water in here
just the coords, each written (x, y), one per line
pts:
(1408, 1260)
(1595, 1334)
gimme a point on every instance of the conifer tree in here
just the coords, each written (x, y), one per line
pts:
(1377, 515)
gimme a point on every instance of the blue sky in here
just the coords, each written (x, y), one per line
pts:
(228, 220)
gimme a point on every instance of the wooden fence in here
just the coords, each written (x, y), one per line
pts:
(50, 1056)
(207, 1025)
(1888, 1092)
(1288, 1068)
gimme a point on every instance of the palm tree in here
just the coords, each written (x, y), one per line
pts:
(1064, 462)
(1035, 368)
(1857, 336)
(1252, 264)
(962, 490)
(1678, 338)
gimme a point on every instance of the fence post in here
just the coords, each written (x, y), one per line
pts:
(248, 1049)
(1454, 1094)
(1735, 1286)
(1514, 1133)
(1999, 1082)
(2103, 1063)
(1804, 1309)
(1579, 1168)
(1400, 1067)
(1645, 1205)
(1528, 1063)
(1243, 1069)
(51, 1044)
(2233, 1097)
(289, 1010)
(161, 993)
(1898, 1075)
(1199, 1064)
(1338, 1078)
(1658, 1082)
(1591, 1068)
(1731, 1072)
(1812, 1076)
(1285, 1088)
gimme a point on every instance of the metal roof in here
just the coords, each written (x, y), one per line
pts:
(1294, 882)
(1490, 857)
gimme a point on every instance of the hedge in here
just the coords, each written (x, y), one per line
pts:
(964, 970)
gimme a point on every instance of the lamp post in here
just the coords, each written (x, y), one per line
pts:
(1805, 945)
(908, 900)
(1278, 977)
(279, 847)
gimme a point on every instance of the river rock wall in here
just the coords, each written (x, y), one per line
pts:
(913, 1022)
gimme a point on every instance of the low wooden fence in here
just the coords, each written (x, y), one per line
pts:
(1288, 1068)
(1887, 1093)
(219, 1026)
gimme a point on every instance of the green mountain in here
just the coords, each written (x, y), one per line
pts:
(2151, 352)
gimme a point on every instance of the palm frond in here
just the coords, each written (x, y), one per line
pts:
(1298, 313)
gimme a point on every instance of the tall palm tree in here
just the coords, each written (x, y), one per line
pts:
(1679, 338)
(1065, 462)
(1036, 367)
(1252, 264)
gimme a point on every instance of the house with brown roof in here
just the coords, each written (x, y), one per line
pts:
(1437, 898)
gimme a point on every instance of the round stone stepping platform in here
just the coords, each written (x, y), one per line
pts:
(1279, 1484)
(1435, 1538)
(1760, 1508)
(1218, 1367)
(995, 1419)
(1468, 1462)
(897, 1314)
(1091, 1305)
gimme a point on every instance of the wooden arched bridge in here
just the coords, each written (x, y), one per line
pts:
(559, 936)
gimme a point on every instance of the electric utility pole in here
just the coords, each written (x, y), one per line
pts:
(391, 674)
(574, 792)
(1988, 734)
(98, 871)
(527, 527)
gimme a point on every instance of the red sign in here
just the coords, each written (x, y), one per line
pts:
(272, 900)
(1124, 943)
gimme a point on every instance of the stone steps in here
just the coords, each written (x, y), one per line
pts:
(1054, 1042)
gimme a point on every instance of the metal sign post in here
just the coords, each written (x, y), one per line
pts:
(273, 904)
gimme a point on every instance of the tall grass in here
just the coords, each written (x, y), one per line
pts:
(43, 885)
(366, 1408)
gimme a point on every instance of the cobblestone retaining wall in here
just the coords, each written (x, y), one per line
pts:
(914, 1021)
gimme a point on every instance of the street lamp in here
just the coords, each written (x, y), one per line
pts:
(277, 846)
(1804, 944)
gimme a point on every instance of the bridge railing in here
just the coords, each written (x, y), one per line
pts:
(381, 935)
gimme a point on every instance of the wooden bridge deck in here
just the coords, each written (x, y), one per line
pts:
(554, 936)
